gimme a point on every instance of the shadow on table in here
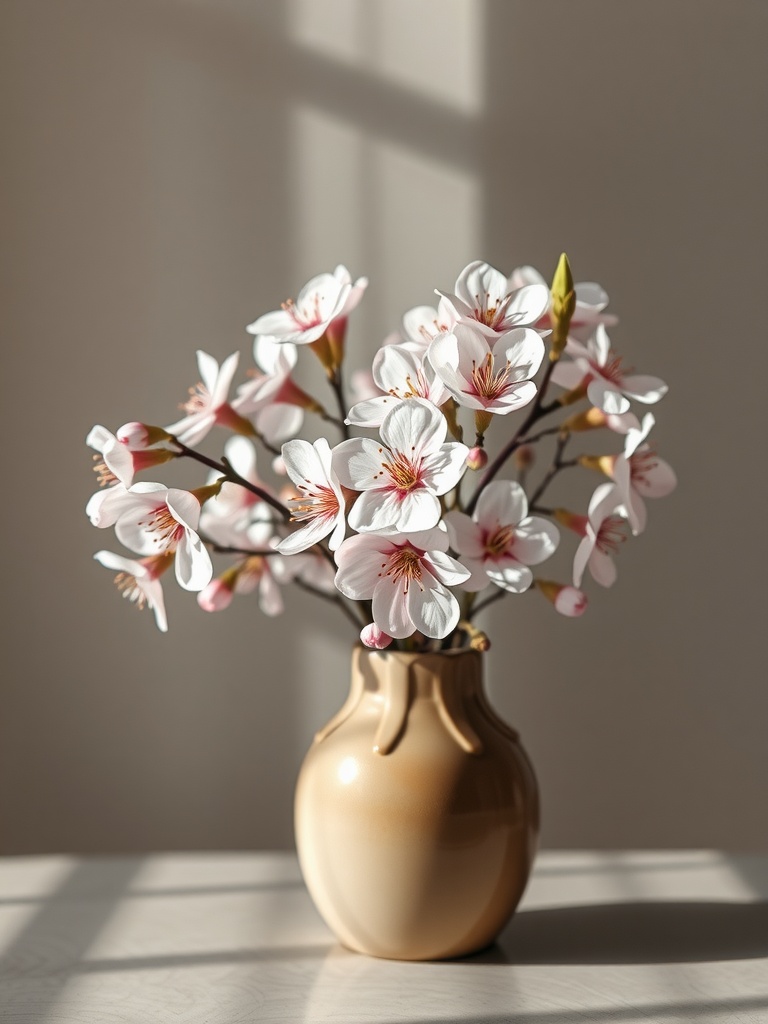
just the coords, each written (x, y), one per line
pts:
(633, 933)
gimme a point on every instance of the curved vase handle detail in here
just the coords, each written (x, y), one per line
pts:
(397, 700)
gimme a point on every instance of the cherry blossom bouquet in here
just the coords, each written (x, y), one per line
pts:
(401, 526)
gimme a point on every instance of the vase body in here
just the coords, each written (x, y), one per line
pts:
(416, 810)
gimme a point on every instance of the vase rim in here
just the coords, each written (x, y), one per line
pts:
(417, 655)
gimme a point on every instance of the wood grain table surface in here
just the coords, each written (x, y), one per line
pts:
(220, 938)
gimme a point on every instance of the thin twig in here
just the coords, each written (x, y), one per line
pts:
(536, 412)
(338, 389)
(332, 598)
(558, 464)
(225, 468)
(489, 600)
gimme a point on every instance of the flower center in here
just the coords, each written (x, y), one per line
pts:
(403, 473)
(128, 586)
(315, 502)
(499, 541)
(613, 370)
(167, 530)
(611, 534)
(199, 399)
(305, 316)
(404, 567)
(641, 464)
(418, 390)
(104, 474)
(491, 316)
(487, 382)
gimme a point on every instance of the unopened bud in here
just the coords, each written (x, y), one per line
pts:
(525, 456)
(141, 435)
(477, 458)
(216, 596)
(374, 637)
(592, 419)
(568, 601)
(601, 463)
(563, 306)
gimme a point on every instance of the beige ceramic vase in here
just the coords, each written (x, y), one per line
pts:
(416, 810)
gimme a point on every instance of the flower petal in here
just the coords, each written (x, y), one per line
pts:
(536, 539)
(511, 576)
(193, 563)
(524, 350)
(445, 468)
(434, 611)
(358, 463)
(390, 608)
(465, 534)
(644, 388)
(502, 503)
(414, 426)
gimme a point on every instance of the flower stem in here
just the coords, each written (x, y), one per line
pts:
(536, 412)
(225, 468)
(337, 387)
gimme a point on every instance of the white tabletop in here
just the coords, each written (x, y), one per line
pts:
(225, 938)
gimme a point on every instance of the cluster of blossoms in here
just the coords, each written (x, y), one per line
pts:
(403, 526)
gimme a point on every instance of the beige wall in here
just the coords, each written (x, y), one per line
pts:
(172, 167)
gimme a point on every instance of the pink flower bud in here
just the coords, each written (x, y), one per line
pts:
(477, 458)
(567, 600)
(141, 435)
(374, 637)
(571, 602)
(215, 597)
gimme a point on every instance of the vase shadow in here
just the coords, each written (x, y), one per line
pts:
(632, 933)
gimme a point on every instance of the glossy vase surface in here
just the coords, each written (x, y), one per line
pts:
(416, 810)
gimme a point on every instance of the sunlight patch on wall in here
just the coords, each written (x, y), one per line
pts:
(431, 47)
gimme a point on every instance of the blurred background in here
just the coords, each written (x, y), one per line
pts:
(174, 168)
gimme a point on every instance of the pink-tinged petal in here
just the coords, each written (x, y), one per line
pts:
(478, 577)
(276, 324)
(339, 531)
(153, 591)
(224, 379)
(241, 455)
(536, 539)
(375, 638)
(514, 397)
(418, 510)
(390, 608)
(521, 276)
(372, 411)
(106, 506)
(359, 569)
(599, 345)
(434, 539)
(270, 598)
(358, 463)
(208, 368)
(306, 536)
(502, 503)
(658, 481)
(466, 536)
(528, 304)
(421, 324)
(434, 610)
(445, 468)
(590, 294)
(524, 350)
(303, 463)
(604, 502)
(622, 424)
(447, 570)
(602, 568)
(478, 280)
(193, 563)
(415, 426)
(279, 421)
(636, 435)
(375, 511)
(606, 397)
(644, 389)
(215, 597)
(567, 374)
(192, 429)
(99, 437)
(583, 552)
(392, 365)
(637, 514)
(275, 358)
(571, 602)
(510, 576)
(118, 563)
(184, 507)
